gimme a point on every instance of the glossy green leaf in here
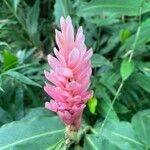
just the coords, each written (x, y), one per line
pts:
(36, 133)
(122, 135)
(14, 4)
(129, 8)
(10, 60)
(127, 67)
(20, 77)
(92, 103)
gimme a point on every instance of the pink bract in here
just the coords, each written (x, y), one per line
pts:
(70, 74)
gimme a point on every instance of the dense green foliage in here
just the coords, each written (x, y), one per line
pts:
(118, 116)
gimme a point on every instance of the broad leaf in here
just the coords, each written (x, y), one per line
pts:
(94, 142)
(37, 133)
(38, 111)
(129, 8)
(141, 125)
(122, 135)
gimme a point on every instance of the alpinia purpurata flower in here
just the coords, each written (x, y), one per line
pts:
(70, 75)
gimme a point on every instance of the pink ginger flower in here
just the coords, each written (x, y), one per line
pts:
(70, 75)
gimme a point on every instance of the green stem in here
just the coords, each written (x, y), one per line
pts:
(137, 35)
(111, 107)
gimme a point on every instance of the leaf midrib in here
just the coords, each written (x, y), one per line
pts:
(109, 6)
(129, 139)
(30, 138)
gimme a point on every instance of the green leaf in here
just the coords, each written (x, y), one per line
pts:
(32, 21)
(93, 142)
(99, 60)
(1, 89)
(92, 103)
(10, 60)
(20, 77)
(38, 111)
(4, 116)
(61, 8)
(14, 4)
(121, 109)
(37, 133)
(129, 8)
(127, 67)
(124, 35)
(104, 106)
(122, 135)
(144, 67)
(19, 102)
(143, 81)
(141, 125)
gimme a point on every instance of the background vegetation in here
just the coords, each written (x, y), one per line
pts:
(119, 33)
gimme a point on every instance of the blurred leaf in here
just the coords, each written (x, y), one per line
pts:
(121, 109)
(144, 67)
(19, 102)
(14, 4)
(21, 77)
(143, 81)
(61, 8)
(128, 8)
(10, 60)
(4, 116)
(104, 19)
(124, 35)
(1, 89)
(99, 60)
(36, 133)
(127, 67)
(92, 103)
(38, 111)
(5, 44)
(142, 39)
(32, 21)
(141, 124)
